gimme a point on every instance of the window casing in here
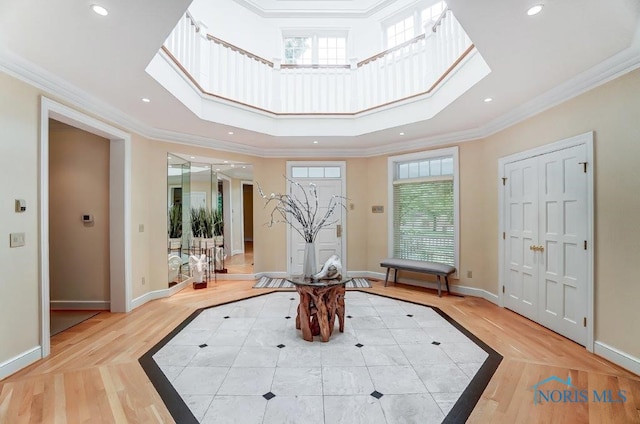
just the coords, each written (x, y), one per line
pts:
(412, 23)
(315, 49)
(423, 205)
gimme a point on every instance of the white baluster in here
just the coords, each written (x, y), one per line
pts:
(351, 102)
(276, 103)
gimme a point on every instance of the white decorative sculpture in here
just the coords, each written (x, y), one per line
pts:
(198, 265)
(174, 266)
(332, 269)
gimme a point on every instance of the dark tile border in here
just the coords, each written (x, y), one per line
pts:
(459, 413)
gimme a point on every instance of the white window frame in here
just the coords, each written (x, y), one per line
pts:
(315, 34)
(415, 11)
(392, 162)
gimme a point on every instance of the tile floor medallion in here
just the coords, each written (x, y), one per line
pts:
(245, 362)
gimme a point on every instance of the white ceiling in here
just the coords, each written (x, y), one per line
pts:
(99, 64)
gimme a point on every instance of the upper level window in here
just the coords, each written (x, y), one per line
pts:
(315, 49)
(412, 23)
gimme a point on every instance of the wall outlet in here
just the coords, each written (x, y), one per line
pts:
(469, 274)
(141, 228)
(16, 239)
(143, 281)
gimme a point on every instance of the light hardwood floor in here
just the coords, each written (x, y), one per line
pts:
(93, 374)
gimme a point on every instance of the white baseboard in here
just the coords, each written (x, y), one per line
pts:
(20, 361)
(89, 305)
(618, 357)
(159, 294)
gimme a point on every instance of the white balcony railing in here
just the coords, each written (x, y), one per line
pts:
(411, 69)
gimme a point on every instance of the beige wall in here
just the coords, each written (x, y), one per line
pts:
(19, 286)
(78, 184)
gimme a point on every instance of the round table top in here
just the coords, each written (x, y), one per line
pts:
(301, 281)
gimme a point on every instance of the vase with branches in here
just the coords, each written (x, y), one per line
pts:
(302, 211)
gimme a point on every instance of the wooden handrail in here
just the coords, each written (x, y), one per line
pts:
(435, 26)
(193, 21)
(239, 50)
(391, 50)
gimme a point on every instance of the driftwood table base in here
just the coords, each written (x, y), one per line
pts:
(318, 308)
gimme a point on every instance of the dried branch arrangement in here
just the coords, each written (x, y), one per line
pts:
(288, 208)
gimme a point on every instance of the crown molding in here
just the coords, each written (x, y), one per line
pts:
(614, 67)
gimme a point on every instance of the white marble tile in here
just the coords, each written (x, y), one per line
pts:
(360, 311)
(410, 336)
(191, 337)
(411, 409)
(464, 352)
(175, 355)
(375, 337)
(257, 356)
(443, 378)
(346, 381)
(171, 372)
(272, 323)
(382, 301)
(247, 381)
(294, 410)
(367, 323)
(297, 382)
(337, 356)
(383, 355)
(446, 334)
(396, 380)
(235, 410)
(353, 410)
(390, 310)
(274, 312)
(198, 404)
(215, 356)
(218, 311)
(200, 380)
(228, 337)
(264, 337)
(470, 368)
(294, 356)
(205, 322)
(422, 354)
(240, 323)
(399, 321)
(446, 400)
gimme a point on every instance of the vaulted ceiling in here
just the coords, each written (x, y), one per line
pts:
(99, 63)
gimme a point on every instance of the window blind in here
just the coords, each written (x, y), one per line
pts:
(423, 224)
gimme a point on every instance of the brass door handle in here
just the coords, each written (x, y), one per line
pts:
(536, 248)
(338, 230)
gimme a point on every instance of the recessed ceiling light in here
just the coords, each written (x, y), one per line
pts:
(217, 169)
(315, 141)
(244, 167)
(488, 99)
(230, 133)
(99, 10)
(401, 133)
(226, 161)
(168, 157)
(144, 99)
(534, 10)
(192, 157)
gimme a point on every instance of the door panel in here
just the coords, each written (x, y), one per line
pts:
(328, 242)
(546, 206)
(565, 259)
(521, 227)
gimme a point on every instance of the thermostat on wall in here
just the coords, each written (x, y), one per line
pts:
(87, 218)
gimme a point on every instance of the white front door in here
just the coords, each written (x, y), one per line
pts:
(329, 240)
(545, 234)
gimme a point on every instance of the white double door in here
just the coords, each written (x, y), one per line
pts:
(546, 261)
(330, 239)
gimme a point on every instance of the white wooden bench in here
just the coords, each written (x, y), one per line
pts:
(424, 267)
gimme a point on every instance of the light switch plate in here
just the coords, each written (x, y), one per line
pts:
(16, 240)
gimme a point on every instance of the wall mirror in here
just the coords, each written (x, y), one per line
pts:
(210, 211)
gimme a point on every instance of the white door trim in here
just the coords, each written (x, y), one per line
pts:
(343, 179)
(582, 139)
(119, 208)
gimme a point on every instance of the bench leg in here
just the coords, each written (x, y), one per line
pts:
(446, 280)
(439, 291)
(387, 277)
(395, 276)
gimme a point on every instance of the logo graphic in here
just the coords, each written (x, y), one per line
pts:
(571, 394)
